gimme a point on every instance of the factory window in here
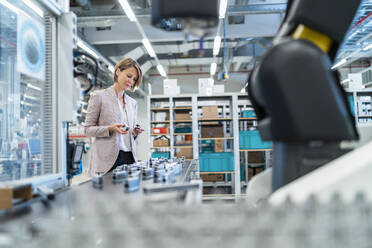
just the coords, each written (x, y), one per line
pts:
(24, 120)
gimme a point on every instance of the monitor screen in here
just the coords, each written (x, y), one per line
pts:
(78, 153)
(34, 146)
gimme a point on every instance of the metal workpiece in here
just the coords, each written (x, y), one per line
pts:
(133, 169)
(171, 187)
(119, 175)
(97, 181)
(168, 177)
(45, 192)
(147, 173)
(158, 175)
(121, 167)
(132, 183)
(93, 220)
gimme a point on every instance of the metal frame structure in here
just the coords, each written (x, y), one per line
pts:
(234, 108)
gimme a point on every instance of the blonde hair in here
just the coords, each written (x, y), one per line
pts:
(128, 63)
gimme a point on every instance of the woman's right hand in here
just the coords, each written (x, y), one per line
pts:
(116, 128)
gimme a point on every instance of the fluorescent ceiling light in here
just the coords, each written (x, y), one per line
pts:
(223, 7)
(343, 61)
(85, 47)
(148, 47)
(31, 97)
(34, 7)
(33, 87)
(213, 68)
(216, 45)
(128, 10)
(161, 70)
(10, 6)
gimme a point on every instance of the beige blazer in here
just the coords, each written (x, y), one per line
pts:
(103, 111)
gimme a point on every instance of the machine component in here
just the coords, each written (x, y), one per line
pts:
(45, 192)
(118, 175)
(85, 59)
(158, 175)
(196, 16)
(168, 177)
(132, 183)
(334, 223)
(125, 128)
(306, 132)
(133, 169)
(147, 173)
(97, 181)
(170, 188)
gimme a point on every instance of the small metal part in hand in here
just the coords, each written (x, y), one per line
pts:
(124, 128)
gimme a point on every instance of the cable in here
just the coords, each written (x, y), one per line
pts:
(94, 82)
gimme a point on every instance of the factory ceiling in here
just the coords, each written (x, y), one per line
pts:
(250, 25)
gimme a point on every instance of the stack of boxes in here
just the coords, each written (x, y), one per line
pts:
(184, 115)
(212, 157)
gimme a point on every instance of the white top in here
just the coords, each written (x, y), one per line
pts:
(125, 144)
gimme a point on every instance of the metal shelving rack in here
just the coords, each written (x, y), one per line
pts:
(230, 113)
(357, 103)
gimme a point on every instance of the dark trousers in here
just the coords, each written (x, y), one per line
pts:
(123, 158)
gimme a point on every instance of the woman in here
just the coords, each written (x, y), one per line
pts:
(108, 111)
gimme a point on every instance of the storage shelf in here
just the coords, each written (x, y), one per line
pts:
(176, 134)
(182, 108)
(216, 119)
(160, 122)
(182, 121)
(216, 184)
(247, 118)
(255, 150)
(157, 147)
(182, 146)
(365, 116)
(216, 172)
(159, 109)
(219, 138)
(160, 134)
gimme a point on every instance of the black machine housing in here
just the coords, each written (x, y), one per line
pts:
(297, 98)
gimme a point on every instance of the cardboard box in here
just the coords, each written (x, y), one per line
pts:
(182, 116)
(209, 112)
(213, 177)
(255, 157)
(186, 152)
(160, 130)
(212, 132)
(184, 142)
(218, 146)
(251, 170)
(161, 143)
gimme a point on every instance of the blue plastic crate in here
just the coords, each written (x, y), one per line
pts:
(252, 140)
(242, 174)
(218, 161)
(160, 155)
(207, 146)
(248, 113)
(185, 129)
